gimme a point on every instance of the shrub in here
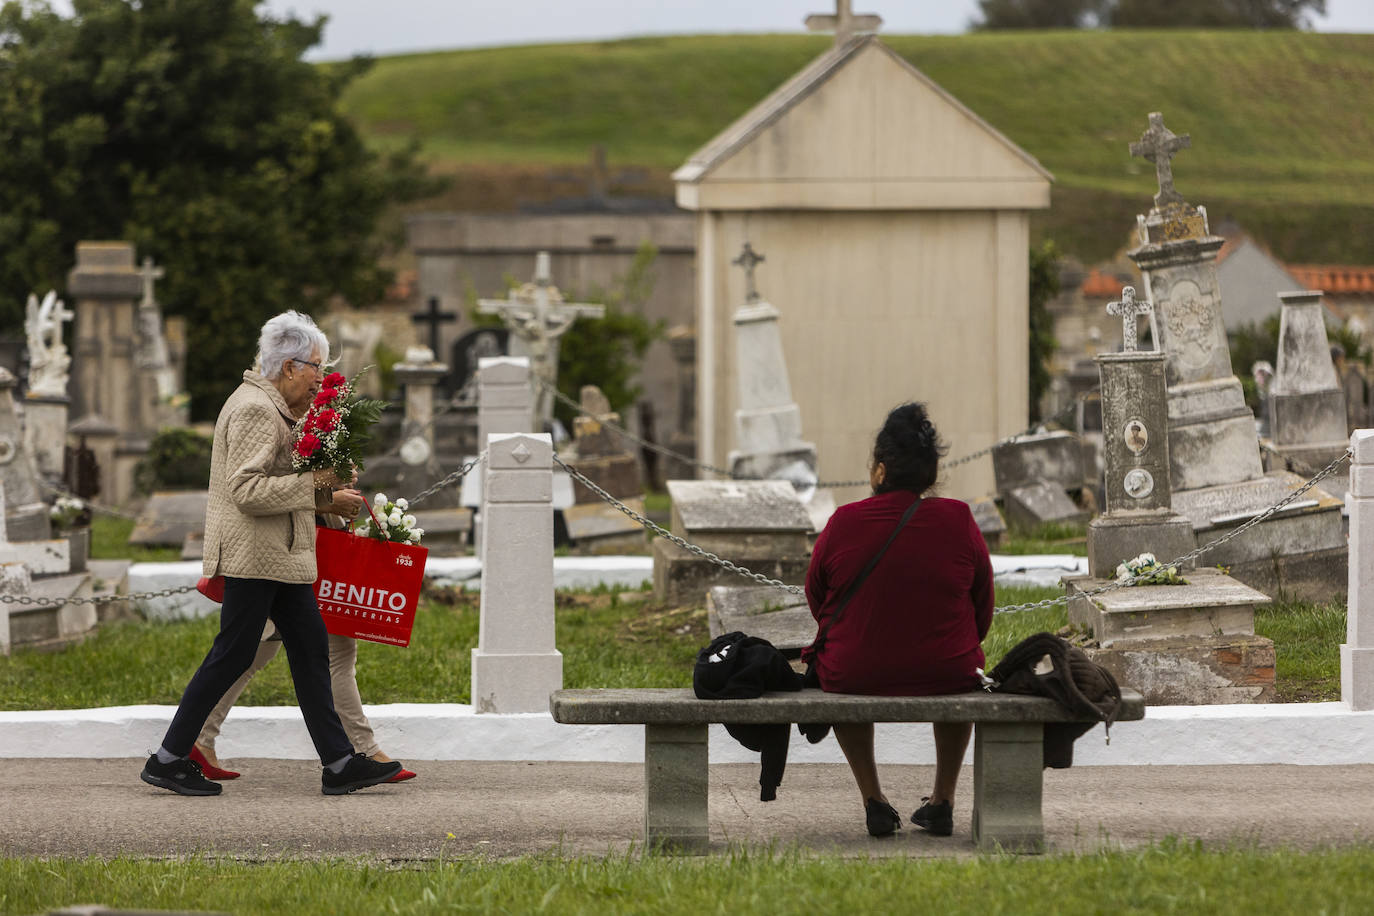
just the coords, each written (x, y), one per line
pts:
(177, 459)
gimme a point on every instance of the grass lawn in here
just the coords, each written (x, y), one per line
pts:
(1171, 877)
(110, 541)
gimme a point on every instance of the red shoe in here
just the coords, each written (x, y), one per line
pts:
(209, 770)
(402, 776)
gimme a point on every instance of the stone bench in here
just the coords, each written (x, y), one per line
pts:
(1007, 748)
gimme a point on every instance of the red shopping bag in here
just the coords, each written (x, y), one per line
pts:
(368, 589)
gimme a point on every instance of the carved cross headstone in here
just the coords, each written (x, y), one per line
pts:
(433, 317)
(1158, 145)
(538, 316)
(1128, 309)
(844, 23)
(150, 275)
(749, 259)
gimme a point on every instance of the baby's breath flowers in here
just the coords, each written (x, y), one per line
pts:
(393, 522)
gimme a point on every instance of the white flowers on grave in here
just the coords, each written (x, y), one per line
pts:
(65, 511)
(1146, 570)
(391, 524)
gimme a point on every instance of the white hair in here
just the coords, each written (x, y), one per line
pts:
(290, 335)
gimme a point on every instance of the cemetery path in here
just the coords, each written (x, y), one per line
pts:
(79, 807)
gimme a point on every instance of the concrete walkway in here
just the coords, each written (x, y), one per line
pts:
(72, 807)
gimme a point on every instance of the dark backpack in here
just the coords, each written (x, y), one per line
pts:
(1046, 665)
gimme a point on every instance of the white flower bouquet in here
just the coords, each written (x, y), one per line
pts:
(1146, 570)
(65, 511)
(392, 522)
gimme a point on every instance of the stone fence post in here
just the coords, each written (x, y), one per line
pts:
(505, 403)
(516, 664)
(1357, 652)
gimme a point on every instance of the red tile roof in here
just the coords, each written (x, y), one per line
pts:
(1335, 279)
(1099, 285)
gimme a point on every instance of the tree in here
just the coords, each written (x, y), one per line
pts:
(1038, 14)
(1044, 286)
(194, 129)
(607, 352)
(1214, 14)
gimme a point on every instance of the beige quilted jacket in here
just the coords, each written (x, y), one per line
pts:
(260, 521)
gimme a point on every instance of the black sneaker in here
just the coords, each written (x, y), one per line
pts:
(937, 820)
(181, 776)
(360, 772)
(883, 819)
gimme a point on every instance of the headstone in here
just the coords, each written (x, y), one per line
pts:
(537, 316)
(467, 352)
(1307, 416)
(989, 520)
(1192, 643)
(1041, 503)
(106, 288)
(768, 425)
(600, 451)
(1215, 469)
(516, 664)
(682, 441)
(157, 377)
(1139, 516)
(48, 359)
(46, 403)
(26, 515)
(1357, 652)
(419, 468)
(1055, 457)
(757, 524)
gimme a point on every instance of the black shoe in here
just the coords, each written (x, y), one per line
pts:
(883, 819)
(182, 776)
(360, 772)
(937, 820)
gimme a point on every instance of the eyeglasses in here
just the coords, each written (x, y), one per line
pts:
(306, 362)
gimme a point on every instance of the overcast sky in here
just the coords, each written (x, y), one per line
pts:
(394, 26)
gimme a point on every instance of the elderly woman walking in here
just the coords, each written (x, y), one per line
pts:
(260, 535)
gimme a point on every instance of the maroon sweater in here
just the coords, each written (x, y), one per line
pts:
(916, 625)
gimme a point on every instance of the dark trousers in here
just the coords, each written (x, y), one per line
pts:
(247, 605)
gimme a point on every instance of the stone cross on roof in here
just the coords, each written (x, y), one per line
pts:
(1158, 145)
(150, 275)
(749, 259)
(1128, 308)
(845, 24)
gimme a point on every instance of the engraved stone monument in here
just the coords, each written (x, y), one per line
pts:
(1217, 477)
(1306, 404)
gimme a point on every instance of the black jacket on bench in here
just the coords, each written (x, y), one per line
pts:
(738, 667)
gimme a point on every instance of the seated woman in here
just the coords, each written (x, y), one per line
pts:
(916, 624)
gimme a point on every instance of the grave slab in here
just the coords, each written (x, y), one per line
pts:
(1056, 457)
(763, 611)
(1040, 503)
(1211, 604)
(602, 529)
(1195, 671)
(169, 517)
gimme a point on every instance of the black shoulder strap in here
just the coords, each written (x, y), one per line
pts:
(859, 580)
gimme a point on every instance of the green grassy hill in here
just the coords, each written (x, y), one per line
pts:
(1283, 141)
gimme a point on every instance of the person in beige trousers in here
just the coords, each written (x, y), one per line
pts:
(348, 703)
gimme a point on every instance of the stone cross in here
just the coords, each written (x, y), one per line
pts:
(845, 24)
(1158, 145)
(1128, 308)
(538, 316)
(433, 317)
(749, 259)
(150, 275)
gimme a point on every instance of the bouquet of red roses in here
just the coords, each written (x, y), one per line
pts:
(336, 428)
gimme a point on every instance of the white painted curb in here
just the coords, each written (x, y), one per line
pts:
(1307, 734)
